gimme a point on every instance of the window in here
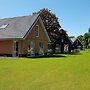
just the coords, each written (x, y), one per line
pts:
(31, 45)
(41, 45)
(15, 48)
(31, 48)
(37, 30)
(41, 48)
(3, 26)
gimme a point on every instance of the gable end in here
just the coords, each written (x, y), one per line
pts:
(38, 18)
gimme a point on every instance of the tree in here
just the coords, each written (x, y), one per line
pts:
(52, 26)
(89, 30)
(80, 37)
(89, 35)
(86, 39)
(51, 23)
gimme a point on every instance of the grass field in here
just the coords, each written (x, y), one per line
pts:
(58, 72)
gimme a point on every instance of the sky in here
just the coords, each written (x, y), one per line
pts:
(73, 15)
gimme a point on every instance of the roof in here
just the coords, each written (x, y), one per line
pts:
(17, 27)
(73, 39)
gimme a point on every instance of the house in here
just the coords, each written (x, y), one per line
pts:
(76, 43)
(22, 36)
(63, 43)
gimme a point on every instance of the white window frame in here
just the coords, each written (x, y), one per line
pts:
(31, 50)
(37, 30)
(41, 48)
(14, 48)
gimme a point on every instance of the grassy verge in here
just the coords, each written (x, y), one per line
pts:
(58, 72)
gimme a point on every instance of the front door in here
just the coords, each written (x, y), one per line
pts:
(41, 48)
(31, 48)
(15, 48)
(66, 48)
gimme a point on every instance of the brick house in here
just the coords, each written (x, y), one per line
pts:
(63, 43)
(22, 36)
(76, 43)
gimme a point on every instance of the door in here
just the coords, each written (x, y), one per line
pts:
(41, 48)
(15, 48)
(66, 48)
(31, 48)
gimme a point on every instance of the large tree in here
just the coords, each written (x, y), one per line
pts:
(89, 30)
(52, 26)
(86, 39)
(51, 23)
(89, 35)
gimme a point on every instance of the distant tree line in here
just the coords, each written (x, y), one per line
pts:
(85, 39)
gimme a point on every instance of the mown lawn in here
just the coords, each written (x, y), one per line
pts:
(60, 72)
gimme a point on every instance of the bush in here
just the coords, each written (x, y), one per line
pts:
(76, 50)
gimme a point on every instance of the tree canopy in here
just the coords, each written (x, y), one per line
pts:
(51, 23)
(85, 39)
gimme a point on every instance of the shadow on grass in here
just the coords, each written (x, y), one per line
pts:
(58, 55)
(74, 53)
(49, 56)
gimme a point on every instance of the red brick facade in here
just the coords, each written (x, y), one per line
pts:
(7, 46)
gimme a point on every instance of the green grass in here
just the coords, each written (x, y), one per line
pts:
(58, 72)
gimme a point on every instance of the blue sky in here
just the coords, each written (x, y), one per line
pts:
(74, 15)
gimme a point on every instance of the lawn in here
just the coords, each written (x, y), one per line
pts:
(58, 72)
